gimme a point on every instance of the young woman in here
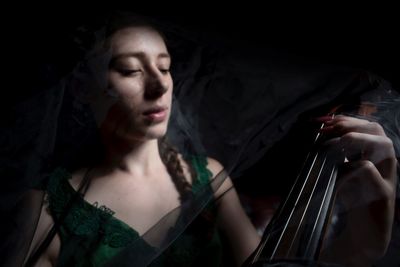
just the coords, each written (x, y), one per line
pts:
(139, 178)
(106, 211)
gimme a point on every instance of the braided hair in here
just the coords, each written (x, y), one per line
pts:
(170, 158)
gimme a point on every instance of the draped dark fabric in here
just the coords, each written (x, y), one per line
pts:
(233, 104)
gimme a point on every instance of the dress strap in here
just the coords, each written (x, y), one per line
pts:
(83, 187)
(204, 175)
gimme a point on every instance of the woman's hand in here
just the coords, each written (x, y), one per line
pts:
(366, 190)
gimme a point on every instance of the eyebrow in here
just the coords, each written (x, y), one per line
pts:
(138, 55)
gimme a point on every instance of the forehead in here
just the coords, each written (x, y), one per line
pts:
(137, 39)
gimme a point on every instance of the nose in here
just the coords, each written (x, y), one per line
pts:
(156, 85)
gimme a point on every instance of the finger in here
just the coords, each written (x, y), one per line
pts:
(361, 186)
(376, 149)
(343, 124)
(361, 183)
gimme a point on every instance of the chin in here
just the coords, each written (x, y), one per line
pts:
(155, 132)
(143, 133)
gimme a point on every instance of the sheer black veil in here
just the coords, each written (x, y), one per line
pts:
(228, 104)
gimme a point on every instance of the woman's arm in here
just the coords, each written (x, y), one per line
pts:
(233, 222)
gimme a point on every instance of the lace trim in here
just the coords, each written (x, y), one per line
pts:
(203, 173)
(84, 218)
(91, 219)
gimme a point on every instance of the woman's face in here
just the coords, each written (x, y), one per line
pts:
(139, 77)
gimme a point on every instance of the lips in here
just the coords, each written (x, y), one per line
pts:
(155, 114)
(154, 110)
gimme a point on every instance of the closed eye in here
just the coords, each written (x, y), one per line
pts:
(129, 72)
(164, 71)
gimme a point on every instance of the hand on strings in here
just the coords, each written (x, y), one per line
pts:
(365, 189)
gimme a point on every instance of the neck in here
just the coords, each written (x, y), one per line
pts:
(138, 157)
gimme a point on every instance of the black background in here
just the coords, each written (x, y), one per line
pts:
(42, 47)
(362, 36)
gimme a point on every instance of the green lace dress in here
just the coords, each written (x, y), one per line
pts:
(90, 234)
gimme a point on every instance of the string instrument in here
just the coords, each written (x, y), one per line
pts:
(298, 229)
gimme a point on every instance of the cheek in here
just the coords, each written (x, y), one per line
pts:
(124, 87)
(131, 105)
(130, 100)
(128, 89)
(129, 95)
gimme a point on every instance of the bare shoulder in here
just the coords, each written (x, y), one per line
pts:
(218, 171)
(214, 166)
